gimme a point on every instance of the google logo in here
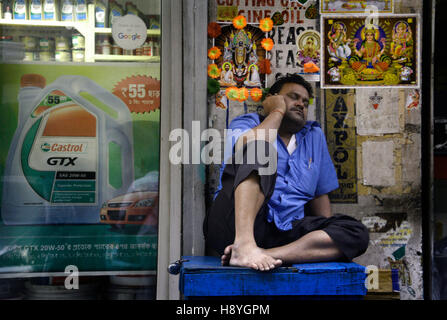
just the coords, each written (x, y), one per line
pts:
(133, 37)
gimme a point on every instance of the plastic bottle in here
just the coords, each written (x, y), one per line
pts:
(80, 10)
(1, 9)
(20, 9)
(100, 14)
(132, 9)
(8, 12)
(67, 10)
(50, 11)
(115, 10)
(57, 168)
(35, 9)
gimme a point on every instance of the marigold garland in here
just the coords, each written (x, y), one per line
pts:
(240, 22)
(267, 44)
(232, 93)
(214, 30)
(256, 94)
(266, 25)
(214, 53)
(243, 94)
(213, 71)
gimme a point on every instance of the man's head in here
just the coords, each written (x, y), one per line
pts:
(296, 92)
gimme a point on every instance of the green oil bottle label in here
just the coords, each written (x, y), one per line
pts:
(53, 99)
(60, 154)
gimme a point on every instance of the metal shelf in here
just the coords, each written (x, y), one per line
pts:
(150, 32)
(43, 23)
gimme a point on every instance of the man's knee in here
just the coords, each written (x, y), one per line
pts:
(363, 238)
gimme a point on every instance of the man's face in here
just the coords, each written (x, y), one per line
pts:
(296, 98)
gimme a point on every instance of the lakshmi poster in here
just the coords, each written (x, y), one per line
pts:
(364, 52)
(355, 6)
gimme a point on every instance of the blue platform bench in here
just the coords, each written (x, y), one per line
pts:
(205, 278)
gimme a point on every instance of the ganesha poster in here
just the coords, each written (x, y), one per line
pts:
(366, 52)
(355, 6)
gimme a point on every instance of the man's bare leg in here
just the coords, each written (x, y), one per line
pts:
(315, 246)
(244, 252)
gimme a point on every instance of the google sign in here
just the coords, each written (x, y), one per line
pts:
(129, 32)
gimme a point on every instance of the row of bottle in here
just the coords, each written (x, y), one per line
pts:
(48, 10)
(105, 14)
(59, 49)
(75, 55)
(49, 43)
(71, 10)
(105, 46)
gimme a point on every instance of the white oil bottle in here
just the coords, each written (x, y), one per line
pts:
(20, 10)
(50, 10)
(67, 10)
(35, 9)
(80, 10)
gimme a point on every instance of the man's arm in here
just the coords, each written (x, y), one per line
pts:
(272, 121)
(321, 206)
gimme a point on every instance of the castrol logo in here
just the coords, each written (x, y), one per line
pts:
(64, 147)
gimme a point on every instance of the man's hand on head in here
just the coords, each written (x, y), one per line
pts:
(273, 102)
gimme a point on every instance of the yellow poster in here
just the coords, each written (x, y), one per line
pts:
(342, 142)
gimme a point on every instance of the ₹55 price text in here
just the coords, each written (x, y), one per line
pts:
(140, 93)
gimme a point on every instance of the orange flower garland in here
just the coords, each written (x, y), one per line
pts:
(214, 53)
(243, 94)
(256, 94)
(214, 30)
(267, 44)
(266, 25)
(240, 22)
(213, 71)
(232, 93)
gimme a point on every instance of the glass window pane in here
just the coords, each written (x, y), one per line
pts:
(79, 154)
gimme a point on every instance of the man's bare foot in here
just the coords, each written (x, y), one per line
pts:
(249, 256)
(225, 259)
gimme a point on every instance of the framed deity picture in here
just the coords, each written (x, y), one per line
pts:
(362, 51)
(355, 6)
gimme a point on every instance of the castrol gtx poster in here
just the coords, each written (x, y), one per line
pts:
(79, 167)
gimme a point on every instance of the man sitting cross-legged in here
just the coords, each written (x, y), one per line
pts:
(258, 217)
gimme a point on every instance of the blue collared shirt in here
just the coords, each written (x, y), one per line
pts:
(305, 174)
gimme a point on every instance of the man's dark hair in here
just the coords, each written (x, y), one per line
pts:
(291, 78)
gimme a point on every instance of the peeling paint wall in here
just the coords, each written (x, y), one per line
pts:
(389, 200)
(386, 177)
(389, 195)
